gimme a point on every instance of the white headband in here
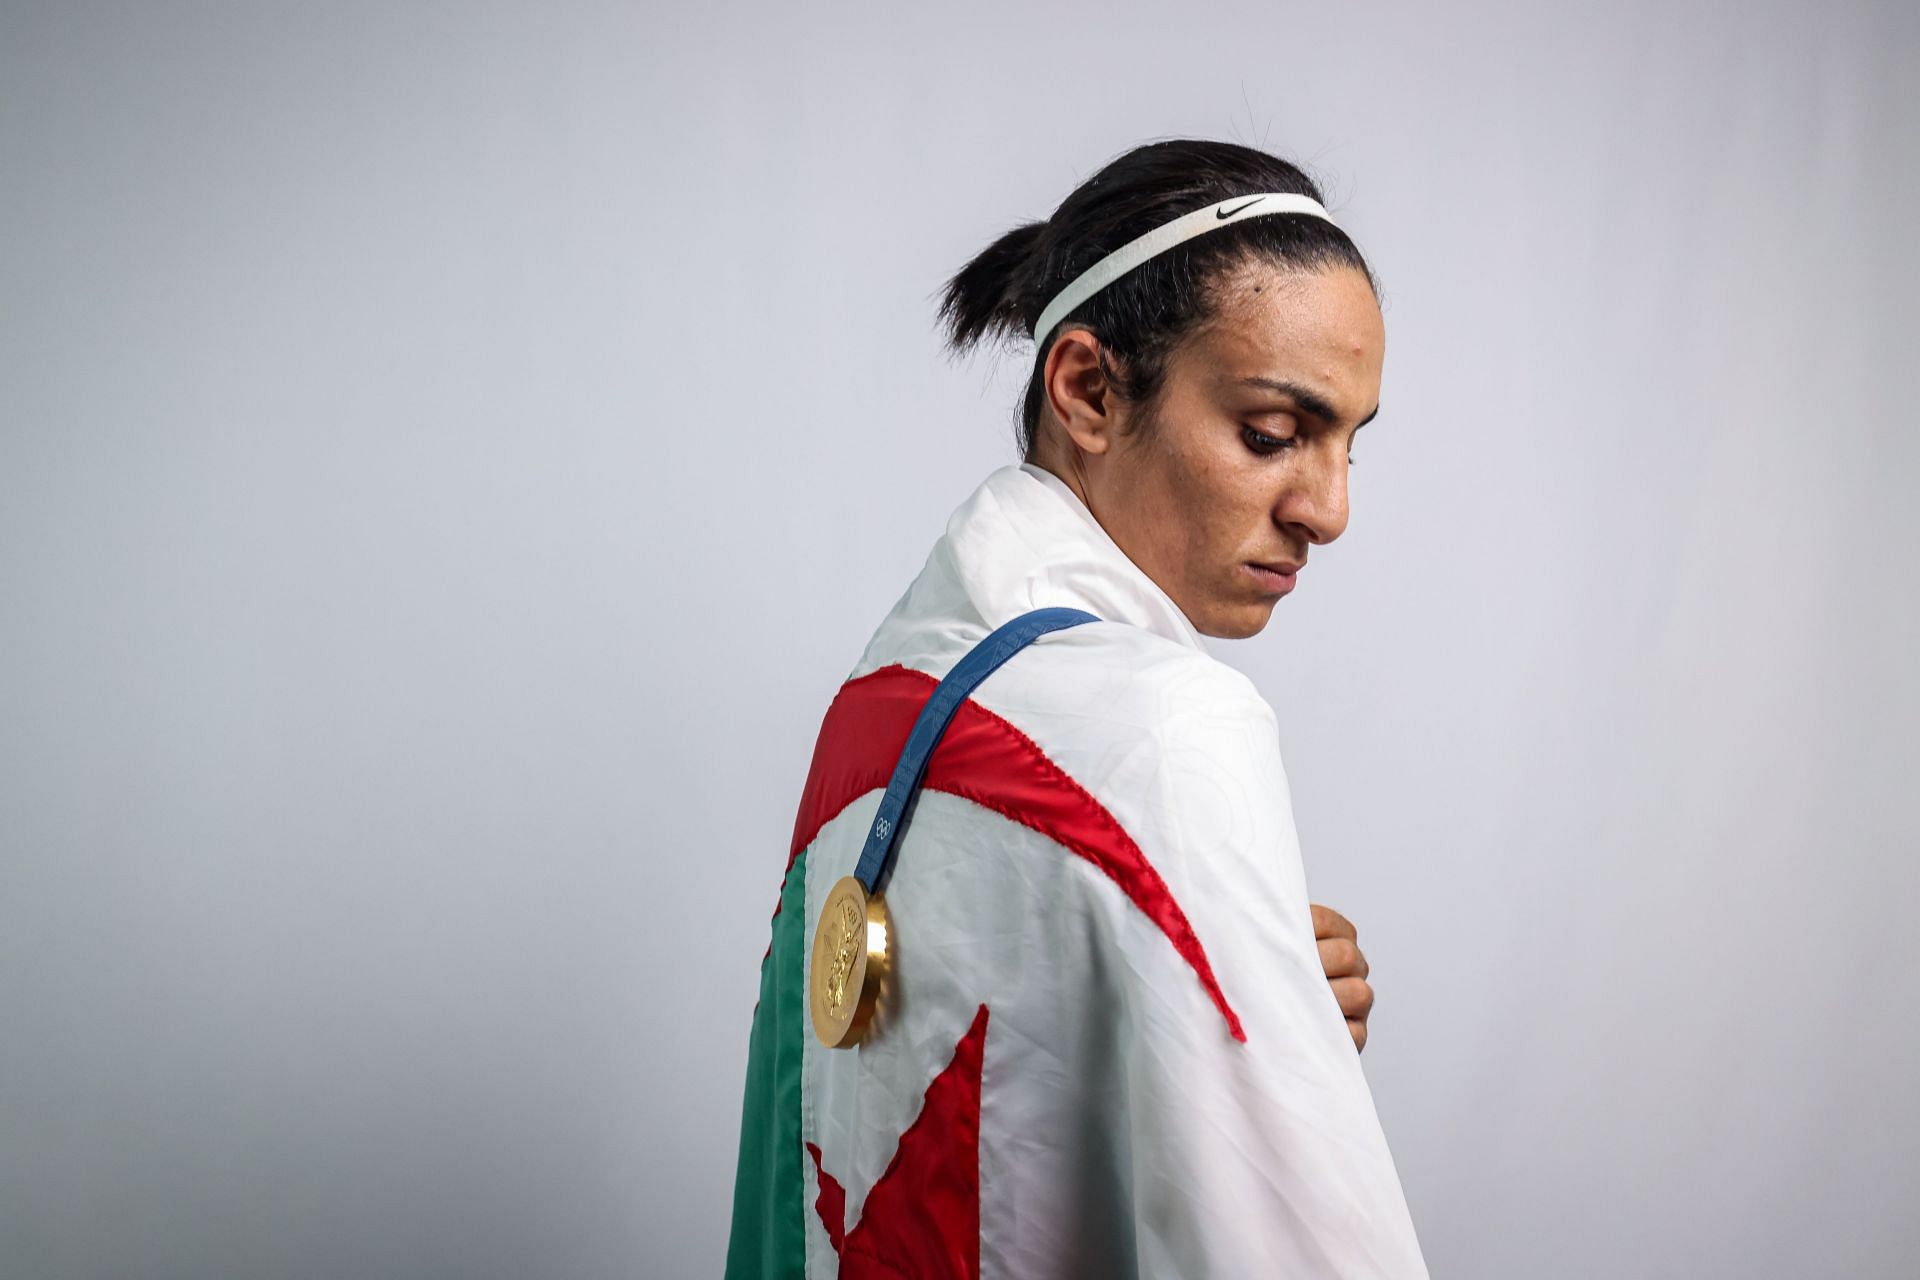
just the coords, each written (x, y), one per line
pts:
(1164, 237)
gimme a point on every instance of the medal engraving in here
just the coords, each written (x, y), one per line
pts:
(846, 927)
(849, 964)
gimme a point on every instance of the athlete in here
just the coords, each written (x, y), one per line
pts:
(1109, 1036)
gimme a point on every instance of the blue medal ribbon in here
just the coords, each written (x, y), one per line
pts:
(876, 859)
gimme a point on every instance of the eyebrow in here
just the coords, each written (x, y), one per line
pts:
(1311, 402)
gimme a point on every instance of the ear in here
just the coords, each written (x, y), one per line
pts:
(1078, 392)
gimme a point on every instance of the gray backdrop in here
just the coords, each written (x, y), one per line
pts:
(450, 454)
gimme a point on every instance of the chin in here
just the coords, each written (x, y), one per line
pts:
(1238, 624)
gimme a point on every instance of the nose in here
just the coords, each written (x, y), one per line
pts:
(1313, 505)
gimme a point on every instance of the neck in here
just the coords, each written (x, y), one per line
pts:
(1063, 461)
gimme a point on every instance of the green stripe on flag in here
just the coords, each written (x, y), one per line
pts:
(769, 1186)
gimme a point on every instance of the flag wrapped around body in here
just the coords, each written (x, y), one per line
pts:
(1106, 1045)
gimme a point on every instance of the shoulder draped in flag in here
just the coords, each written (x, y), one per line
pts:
(1108, 1047)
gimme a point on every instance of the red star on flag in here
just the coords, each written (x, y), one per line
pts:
(922, 1218)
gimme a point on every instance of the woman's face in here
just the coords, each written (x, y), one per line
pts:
(1219, 488)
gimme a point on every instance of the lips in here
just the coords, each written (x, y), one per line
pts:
(1274, 578)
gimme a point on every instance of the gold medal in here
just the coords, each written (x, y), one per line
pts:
(850, 959)
(849, 963)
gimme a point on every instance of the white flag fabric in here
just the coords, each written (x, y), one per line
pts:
(1107, 1047)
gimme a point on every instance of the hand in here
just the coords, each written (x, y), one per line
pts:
(1346, 969)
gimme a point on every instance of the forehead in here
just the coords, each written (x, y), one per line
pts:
(1320, 328)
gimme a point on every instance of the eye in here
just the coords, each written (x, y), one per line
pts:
(1262, 443)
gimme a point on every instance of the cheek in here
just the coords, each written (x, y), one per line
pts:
(1226, 496)
(1196, 546)
(1208, 497)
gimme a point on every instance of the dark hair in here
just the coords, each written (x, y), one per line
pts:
(1142, 316)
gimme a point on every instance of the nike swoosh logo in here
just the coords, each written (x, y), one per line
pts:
(1228, 213)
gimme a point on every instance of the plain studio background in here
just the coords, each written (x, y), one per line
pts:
(449, 455)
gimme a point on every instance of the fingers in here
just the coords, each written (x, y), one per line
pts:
(1328, 923)
(1341, 958)
(1346, 967)
(1355, 997)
